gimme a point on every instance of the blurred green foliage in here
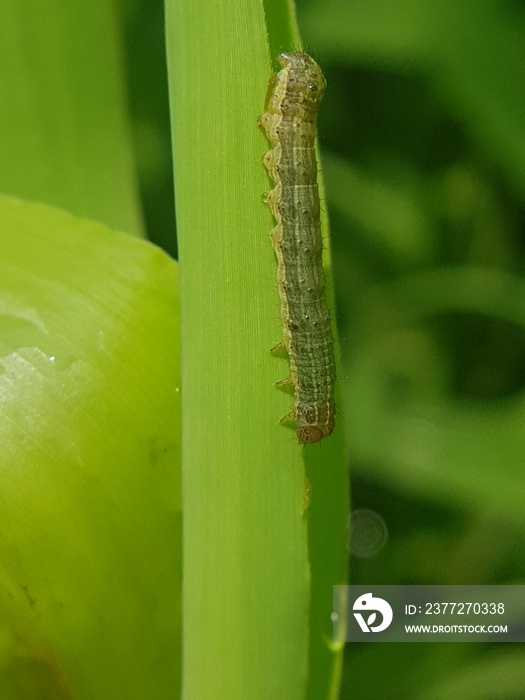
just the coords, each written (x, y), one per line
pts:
(145, 65)
(423, 139)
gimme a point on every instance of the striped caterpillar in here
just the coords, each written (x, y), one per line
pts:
(289, 119)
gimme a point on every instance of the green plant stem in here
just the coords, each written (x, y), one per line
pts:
(246, 590)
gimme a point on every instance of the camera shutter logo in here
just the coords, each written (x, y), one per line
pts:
(368, 603)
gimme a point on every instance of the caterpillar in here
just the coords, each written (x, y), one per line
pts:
(289, 119)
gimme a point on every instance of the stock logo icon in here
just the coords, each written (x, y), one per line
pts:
(371, 606)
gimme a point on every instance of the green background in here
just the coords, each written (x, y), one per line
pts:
(423, 141)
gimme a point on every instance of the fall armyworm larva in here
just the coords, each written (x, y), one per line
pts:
(289, 119)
